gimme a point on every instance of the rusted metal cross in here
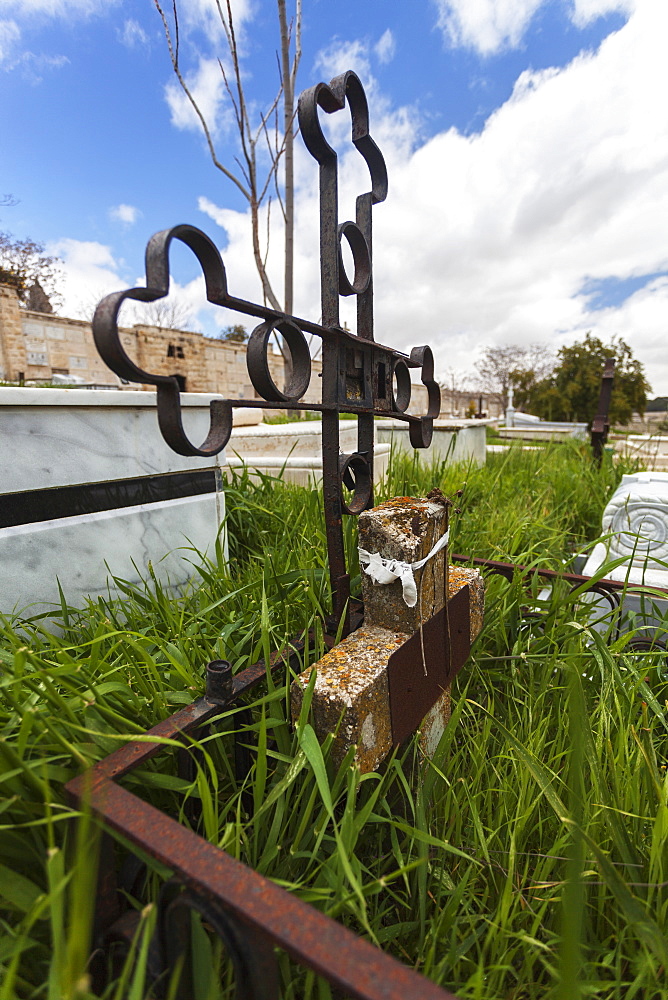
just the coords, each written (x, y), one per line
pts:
(359, 376)
(250, 914)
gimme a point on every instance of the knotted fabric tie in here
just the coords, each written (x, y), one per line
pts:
(384, 571)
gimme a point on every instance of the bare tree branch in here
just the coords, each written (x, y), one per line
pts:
(173, 53)
(251, 179)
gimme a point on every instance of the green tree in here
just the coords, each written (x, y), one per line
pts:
(571, 392)
(236, 334)
(521, 367)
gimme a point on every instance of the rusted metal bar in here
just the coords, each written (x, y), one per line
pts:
(600, 425)
(510, 569)
(309, 937)
(257, 907)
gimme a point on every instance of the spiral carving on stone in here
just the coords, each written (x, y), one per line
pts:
(639, 530)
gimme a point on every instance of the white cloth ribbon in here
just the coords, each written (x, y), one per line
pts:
(383, 571)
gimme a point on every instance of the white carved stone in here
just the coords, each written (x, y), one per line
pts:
(635, 528)
(636, 518)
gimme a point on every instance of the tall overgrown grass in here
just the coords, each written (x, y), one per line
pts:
(528, 858)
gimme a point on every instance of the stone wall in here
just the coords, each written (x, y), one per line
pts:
(457, 402)
(36, 346)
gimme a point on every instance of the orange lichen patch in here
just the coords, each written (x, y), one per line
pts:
(462, 576)
(351, 695)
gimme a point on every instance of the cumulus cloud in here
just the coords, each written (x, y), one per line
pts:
(208, 90)
(386, 47)
(585, 11)
(485, 25)
(340, 56)
(127, 214)
(492, 238)
(205, 16)
(90, 271)
(492, 25)
(568, 181)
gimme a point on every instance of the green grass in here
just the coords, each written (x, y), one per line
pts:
(528, 858)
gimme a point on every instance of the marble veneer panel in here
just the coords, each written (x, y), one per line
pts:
(54, 438)
(59, 437)
(81, 552)
(288, 440)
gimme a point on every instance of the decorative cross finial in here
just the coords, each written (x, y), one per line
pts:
(359, 376)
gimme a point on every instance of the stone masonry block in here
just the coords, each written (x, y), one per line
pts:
(352, 685)
(351, 688)
(407, 529)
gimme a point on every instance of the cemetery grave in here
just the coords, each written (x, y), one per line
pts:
(458, 858)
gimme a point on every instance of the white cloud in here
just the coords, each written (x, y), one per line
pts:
(28, 14)
(204, 15)
(386, 47)
(127, 214)
(585, 11)
(642, 321)
(493, 25)
(488, 239)
(340, 56)
(133, 35)
(485, 25)
(31, 64)
(89, 272)
(10, 34)
(208, 90)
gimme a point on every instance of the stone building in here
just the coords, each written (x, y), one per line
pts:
(461, 403)
(35, 346)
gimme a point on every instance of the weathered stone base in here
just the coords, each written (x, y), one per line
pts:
(351, 689)
(351, 686)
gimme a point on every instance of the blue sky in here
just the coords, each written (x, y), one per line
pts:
(527, 147)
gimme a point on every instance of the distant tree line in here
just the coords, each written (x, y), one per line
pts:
(566, 386)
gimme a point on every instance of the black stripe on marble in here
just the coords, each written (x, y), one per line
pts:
(71, 501)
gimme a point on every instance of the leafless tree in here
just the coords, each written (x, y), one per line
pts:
(24, 262)
(512, 364)
(168, 313)
(256, 182)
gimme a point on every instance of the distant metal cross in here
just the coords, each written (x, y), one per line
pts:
(359, 376)
(600, 425)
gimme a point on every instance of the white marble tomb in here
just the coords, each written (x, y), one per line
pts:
(53, 438)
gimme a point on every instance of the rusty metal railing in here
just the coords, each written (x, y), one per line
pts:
(611, 590)
(251, 914)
